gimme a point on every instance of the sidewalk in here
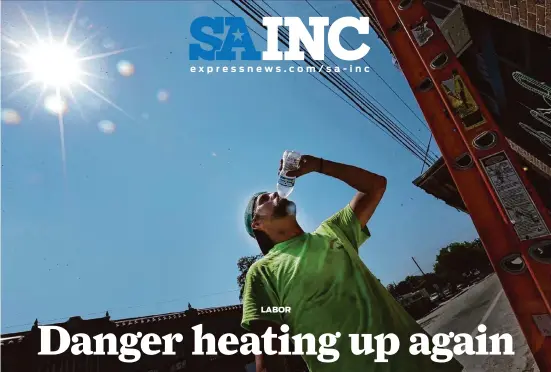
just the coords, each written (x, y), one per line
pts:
(483, 303)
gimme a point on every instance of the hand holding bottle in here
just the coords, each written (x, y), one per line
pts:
(292, 166)
(307, 164)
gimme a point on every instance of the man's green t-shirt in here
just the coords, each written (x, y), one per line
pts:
(321, 277)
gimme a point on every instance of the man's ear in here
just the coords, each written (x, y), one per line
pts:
(257, 224)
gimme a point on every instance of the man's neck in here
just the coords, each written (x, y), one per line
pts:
(288, 233)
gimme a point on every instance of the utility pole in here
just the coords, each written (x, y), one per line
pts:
(425, 276)
(419, 267)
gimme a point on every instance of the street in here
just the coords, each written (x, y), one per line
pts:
(483, 303)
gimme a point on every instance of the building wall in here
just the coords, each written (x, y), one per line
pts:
(534, 15)
(500, 52)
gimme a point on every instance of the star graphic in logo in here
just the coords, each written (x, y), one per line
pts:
(238, 35)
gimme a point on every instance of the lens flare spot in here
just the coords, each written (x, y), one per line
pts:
(55, 105)
(145, 116)
(106, 126)
(108, 43)
(10, 117)
(162, 96)
(125, 68)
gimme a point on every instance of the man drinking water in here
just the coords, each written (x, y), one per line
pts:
(322, 279)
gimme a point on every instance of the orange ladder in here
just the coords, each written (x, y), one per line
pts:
(511, 220)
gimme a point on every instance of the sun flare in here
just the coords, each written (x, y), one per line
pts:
(53, 64)
(59, 68)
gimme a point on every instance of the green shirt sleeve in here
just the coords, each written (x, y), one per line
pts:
(345, 225)
(258, 293)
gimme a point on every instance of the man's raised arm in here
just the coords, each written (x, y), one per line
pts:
(370, 186)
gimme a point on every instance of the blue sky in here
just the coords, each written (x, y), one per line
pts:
(149, 217)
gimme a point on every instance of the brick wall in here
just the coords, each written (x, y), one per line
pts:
(534, 15)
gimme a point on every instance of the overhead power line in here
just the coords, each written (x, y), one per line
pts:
(311, 74)
(338, 81)
(376, 73)
(359, 86)
(389, 87)
(360, 102)
(357, 98)
(384, 81)
(428, 147)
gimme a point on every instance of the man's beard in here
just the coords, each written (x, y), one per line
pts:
(285, 208)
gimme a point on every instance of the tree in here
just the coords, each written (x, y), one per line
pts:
(461, 258)
(480, 258)
(409, 284)
(243, 265)
(414, 283)
(433, 283)
(391, 288)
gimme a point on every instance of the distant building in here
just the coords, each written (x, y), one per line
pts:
(19, 350)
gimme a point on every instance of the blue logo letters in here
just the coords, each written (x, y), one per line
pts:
(217, 26)
(237, 37)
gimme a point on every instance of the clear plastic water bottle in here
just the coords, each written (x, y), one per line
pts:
(285, 185)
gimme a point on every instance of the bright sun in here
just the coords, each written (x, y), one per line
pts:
(56, 66)
(53, 64)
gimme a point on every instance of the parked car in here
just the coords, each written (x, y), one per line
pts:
(435, 298)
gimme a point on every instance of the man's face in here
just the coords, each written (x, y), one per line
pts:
(269, 209)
